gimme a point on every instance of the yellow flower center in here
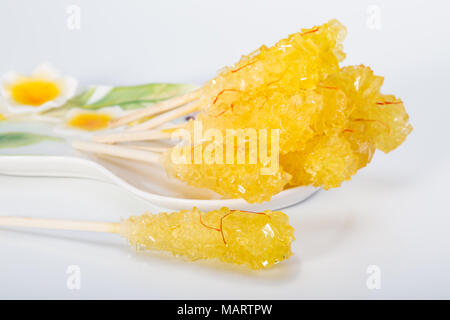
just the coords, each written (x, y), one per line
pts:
(2, 117)
(34, 92)
(90, 121)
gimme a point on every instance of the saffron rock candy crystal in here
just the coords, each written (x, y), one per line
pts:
(331, 119)
(254, 239)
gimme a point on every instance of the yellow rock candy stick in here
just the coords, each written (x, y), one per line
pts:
(255, 239)
(331, 119)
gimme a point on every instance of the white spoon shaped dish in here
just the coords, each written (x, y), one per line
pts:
(149, 182)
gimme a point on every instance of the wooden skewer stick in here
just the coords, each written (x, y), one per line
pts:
(166, 117)
(156, 108)
(128, 136)
(149, 148)
(59, 224)
(117, 151)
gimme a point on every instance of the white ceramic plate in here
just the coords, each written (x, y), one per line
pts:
(56, 158)
(146, 181)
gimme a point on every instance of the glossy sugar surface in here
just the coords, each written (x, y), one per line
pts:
(257, 240)
(233, 180)
(331, 118)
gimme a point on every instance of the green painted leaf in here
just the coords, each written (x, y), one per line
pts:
(82, 98)
(133, 97)
(21, 139)
(139, 104)
(75, 102)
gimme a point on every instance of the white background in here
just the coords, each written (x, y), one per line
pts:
(393, 214)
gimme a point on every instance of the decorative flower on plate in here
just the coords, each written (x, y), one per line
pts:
(3, 109)
(44, 89)
(77, 120)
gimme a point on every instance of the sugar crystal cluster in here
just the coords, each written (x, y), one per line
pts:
(331, 118)
(255, 239)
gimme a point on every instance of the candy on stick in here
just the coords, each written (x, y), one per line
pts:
(377, 116)
(144, 135)
(247, 181)
(332, 132)
(276, 87)
(254, 182)
(124, 152)
(364, 121)
(331, 119)
(326, 162)
(255, 239)
(295, 63)
(156, 109)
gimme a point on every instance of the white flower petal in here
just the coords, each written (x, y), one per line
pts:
(65, 129)
(46, 71)
(67, 88)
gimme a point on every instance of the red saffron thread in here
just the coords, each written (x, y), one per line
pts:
(264, 103)
(221, 226)
(310, 31)
(280, 78)
(201, 221)
(221, 113)
(388, 102)
(327, 87)
(221, 92)
(234, 211)
(371, 120)
(220, 229)
(250, 212)
(242, 67)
